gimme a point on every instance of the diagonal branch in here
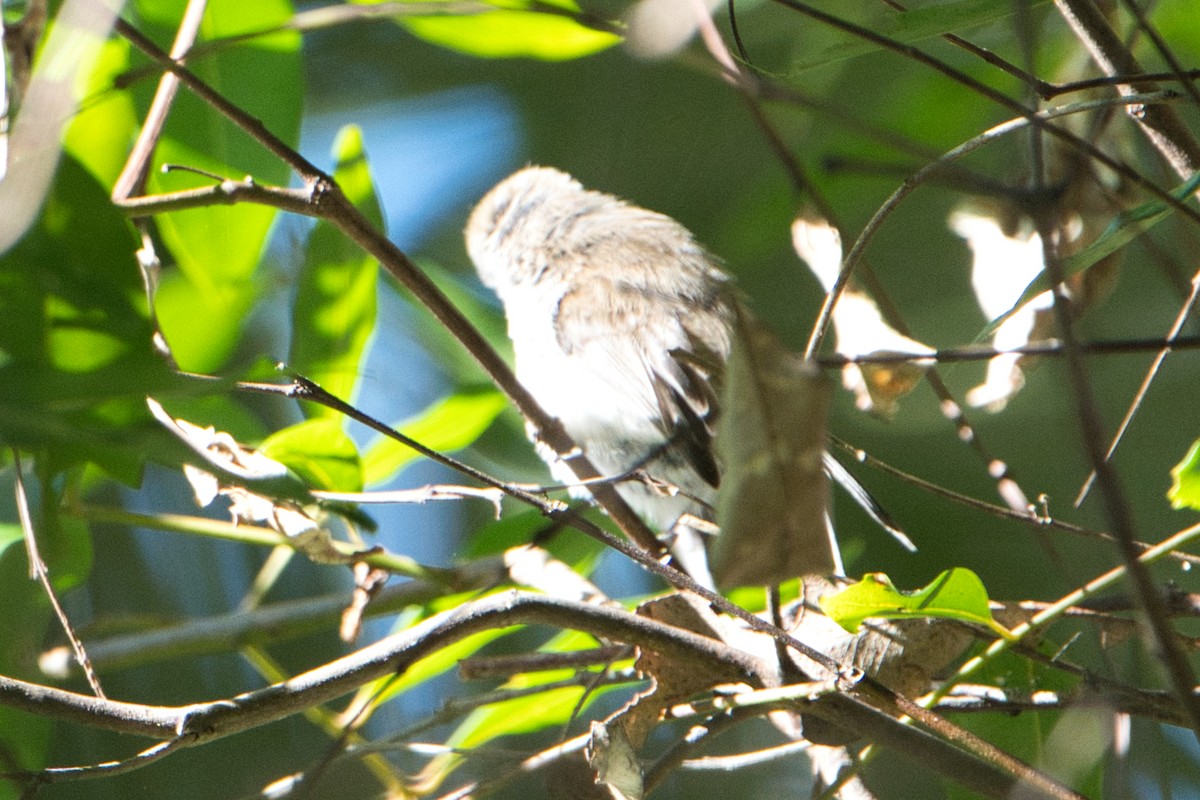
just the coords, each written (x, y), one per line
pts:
(1161, 124)
(330, 204)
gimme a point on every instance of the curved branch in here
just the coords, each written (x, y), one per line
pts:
(220, 718)
(993, 774)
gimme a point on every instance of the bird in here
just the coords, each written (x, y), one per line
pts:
(621, 325)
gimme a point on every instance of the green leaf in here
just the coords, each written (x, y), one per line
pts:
(441, 662)
(526, 714)
(75, 356)
(107, 120)
(1124, 228)
(955, 594)
(70, 294)
(24, 737)
(449, 424)
(550, 31)
(533, 712)
(908, 27)
(1185, 480)
(218, 247)
(320, 452)
(180, 304)
(334, 313)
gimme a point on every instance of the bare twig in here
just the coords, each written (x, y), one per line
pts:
(1078, 596)
(39, 572)
(1023, 517)
(1049, 347)
(132, 180)
(1162, 126)
(481, 667)
(1120, 514)
(919, 56)
(1140, 394)
(1157, 706)
(924, 173)
(217, 719)
(279, 621)
(200, 723)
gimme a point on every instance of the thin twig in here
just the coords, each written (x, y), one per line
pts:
(1162, 126)
(1024, 517)
(482, 667)
(1006, 485)
(1031, 115)
(39, 572)
(1046, 348)
(1071, 599)
(1144, 388)
(1156, 706)
(132, 180)
(253, 126)
(885, 210)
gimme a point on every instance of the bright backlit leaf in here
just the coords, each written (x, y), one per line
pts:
(1185, 483)
(526, 713)
(447, 425)
(957, 593)
(334, 313)
(218, 247)
(550, 31)
(320, 452)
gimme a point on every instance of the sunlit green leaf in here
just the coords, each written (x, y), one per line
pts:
(531, 713)
(70, 294)
(10, 536)
(524, 714)
(447, 425)
(1185, 480)
(955, 594)
(551, 31)
(218, 248)
(75, 356)
(441, 662)
(334, 312)
(320, 452)
(106, 122)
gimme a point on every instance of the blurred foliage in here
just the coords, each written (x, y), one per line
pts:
(77, 359)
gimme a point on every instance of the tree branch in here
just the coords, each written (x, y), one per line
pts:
(200, 723)
(330, 204)
(1162, 126)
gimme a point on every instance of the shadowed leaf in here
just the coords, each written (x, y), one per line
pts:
(770, 440)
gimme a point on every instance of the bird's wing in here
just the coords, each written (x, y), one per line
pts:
(657, 349)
